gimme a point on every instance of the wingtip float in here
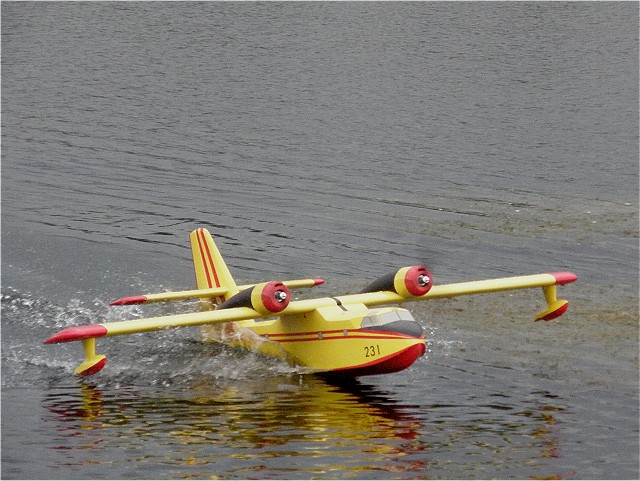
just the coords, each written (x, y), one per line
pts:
(555, 307)
(343, 335)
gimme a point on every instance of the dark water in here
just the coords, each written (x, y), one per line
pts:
(334, 140)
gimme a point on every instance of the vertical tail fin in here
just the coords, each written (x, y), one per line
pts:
(211, 270)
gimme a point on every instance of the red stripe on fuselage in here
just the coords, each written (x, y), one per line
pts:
(331, 335)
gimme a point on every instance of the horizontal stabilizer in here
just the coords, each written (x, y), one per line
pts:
(171, 296)
(204, 293)
(294, 284)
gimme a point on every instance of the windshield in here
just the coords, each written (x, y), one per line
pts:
(386, 318)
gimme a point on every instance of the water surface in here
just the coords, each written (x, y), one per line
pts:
(332, 140)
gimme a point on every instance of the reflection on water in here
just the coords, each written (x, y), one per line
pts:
(290, 425)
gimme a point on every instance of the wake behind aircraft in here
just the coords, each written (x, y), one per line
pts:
(338, 336)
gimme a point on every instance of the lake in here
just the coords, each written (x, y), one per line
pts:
(333, 140)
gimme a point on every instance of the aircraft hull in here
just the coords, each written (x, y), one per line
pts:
(352, 352)
(392, 363)
(340, 347)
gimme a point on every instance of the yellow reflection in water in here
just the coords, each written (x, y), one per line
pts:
(282, 424)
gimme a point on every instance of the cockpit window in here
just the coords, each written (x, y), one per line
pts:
(386, 318)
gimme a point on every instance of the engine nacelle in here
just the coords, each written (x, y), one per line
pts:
(266, 298)
(410, 281)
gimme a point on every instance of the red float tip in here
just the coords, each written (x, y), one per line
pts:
(125, 301)
(564, 277)
(78, 333)
(95, 368)
(317, 282)
(555, 314)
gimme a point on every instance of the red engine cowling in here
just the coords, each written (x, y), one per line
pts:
(413, 281)
(266, 298)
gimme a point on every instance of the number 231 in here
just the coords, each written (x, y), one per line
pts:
(371, 351)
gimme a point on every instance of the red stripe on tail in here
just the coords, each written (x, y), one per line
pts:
(213, 266)
(204, 260)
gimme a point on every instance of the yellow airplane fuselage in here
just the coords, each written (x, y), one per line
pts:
(343, 340)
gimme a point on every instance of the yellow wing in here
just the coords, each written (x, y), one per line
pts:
(547, 282)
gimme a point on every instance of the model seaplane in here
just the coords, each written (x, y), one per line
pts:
(340, 335)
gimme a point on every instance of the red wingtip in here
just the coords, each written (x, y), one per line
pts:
(125, 301)
(77, 333)
(317, 282)
(564, 277)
